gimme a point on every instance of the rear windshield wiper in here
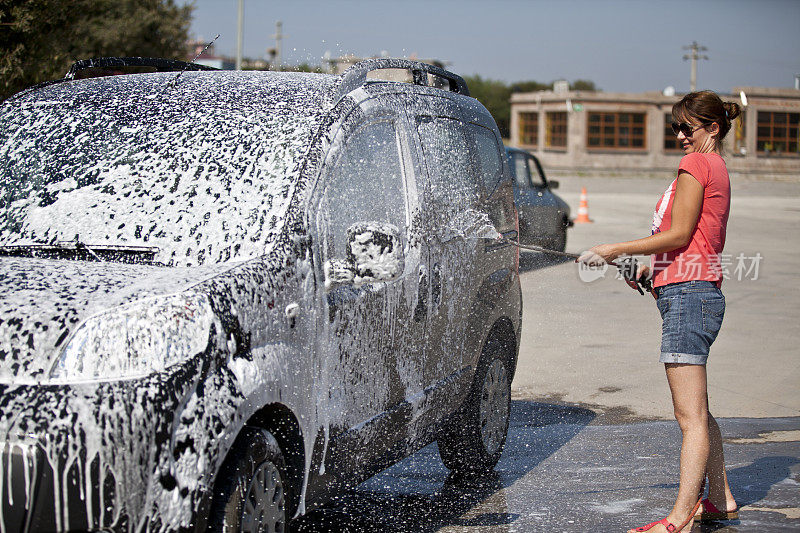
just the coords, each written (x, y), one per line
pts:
(78, 251)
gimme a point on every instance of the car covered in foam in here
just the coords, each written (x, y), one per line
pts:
(227, 296)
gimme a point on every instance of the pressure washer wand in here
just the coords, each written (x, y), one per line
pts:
(628, 267)
(535, 248)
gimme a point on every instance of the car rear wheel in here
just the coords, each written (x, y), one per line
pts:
(473, 442)
(252, 492)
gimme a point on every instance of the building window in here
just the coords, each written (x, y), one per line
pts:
(556, 129)
(529, 128)
(670, 139)
(778, 133)
(616, 131)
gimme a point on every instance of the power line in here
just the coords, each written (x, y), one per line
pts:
(694, 56)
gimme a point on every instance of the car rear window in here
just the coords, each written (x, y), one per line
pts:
(490, 166)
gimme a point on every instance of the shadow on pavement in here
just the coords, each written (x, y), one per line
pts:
(727, 527)
(751, 483)
(418, 494)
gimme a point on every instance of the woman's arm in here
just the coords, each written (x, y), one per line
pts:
(686, 209)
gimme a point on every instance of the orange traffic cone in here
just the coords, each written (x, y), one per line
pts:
(583, 209)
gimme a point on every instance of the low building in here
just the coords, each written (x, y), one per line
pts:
(600, 132)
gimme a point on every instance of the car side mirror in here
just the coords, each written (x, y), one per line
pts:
(374, 253)
(552, 184)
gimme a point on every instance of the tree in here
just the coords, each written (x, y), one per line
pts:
(40, 39)
(583, 85)
(494, 95)
(530, 86)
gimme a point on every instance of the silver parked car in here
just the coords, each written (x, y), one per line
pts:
(543, 215)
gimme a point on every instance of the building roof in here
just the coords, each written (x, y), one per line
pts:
(648, 97)
(769, 92)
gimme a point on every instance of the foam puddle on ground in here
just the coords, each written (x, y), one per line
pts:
(620, 507)
(771, 436)
(792, 513)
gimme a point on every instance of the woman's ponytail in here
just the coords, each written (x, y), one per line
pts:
(732, 110)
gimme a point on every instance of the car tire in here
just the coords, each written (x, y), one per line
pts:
(472, 443)
(252, 492)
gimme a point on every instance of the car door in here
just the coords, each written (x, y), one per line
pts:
(553, 218)
(538, 209)
(453, 222)
(371, 346)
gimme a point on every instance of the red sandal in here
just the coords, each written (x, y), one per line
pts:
(708, 512)
(671, 528)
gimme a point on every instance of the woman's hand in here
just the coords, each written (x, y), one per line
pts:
(599, 255)
(642, 272)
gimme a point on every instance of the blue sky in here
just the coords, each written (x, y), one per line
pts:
(621, 45)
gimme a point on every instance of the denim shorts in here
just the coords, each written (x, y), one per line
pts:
(692, 312)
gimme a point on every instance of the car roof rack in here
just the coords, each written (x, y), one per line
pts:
(356, 76)
(159, 64)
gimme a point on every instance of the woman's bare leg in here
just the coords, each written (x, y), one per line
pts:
(690, 401)
(719, 492)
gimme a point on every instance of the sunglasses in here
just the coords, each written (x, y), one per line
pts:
(686, 129)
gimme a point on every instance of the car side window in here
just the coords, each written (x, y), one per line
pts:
(447, 156)
(536, 178)
(364, 184)
(490, 166)
(519, 165)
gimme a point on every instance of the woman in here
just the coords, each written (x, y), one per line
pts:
(688, 235)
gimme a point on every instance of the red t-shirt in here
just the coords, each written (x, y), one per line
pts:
(699, 259)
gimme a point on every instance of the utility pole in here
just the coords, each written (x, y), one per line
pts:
(239, 35)
(694, 56)
(279, 35)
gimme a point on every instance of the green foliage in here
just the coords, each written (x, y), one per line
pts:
(530, 86)
(583, 85)
(40, 39)
(496, 95)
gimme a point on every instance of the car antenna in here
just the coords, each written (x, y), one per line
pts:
(201, 52)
